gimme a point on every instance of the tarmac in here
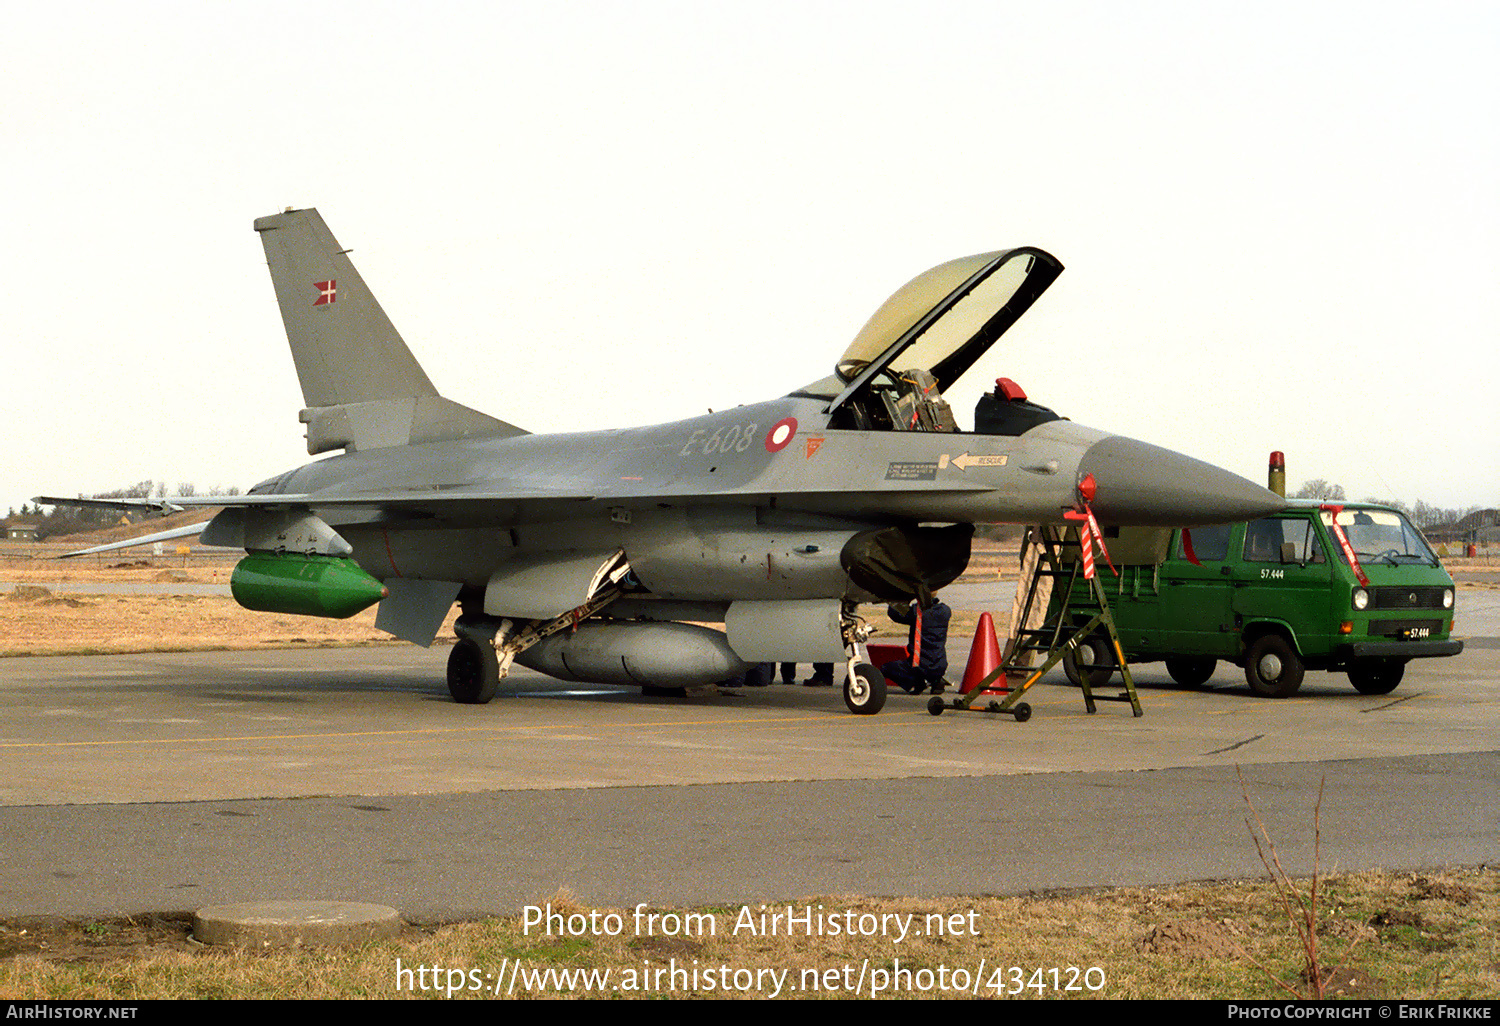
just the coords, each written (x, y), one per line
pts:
(172, 781)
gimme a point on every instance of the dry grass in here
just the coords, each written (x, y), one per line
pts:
(1420, 936)
(36, 622)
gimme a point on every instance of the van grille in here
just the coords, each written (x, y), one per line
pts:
(1394, 597)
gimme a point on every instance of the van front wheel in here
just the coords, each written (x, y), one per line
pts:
(1376, 676)
(1272, 667)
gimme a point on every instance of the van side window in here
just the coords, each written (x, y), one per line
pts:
(1263, 541)
(1210, 543)
(1264, 538)
(1311, 550)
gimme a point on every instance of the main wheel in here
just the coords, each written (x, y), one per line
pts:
(1376, 676)
(1191, 671)
(473, 672)
(1272, 667)
(864, 690)
(1094, 656)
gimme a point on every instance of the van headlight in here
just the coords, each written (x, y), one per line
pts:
(1361, 598)
(1447, 598)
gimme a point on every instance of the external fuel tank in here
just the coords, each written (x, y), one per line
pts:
(668, 655)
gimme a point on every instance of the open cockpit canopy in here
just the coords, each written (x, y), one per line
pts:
(931, 331)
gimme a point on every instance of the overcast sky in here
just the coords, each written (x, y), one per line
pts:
(1281, 222)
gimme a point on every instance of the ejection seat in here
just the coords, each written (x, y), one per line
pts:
(1007, 411)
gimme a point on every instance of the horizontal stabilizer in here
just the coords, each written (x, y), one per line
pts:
(149, 539)
(382, 423)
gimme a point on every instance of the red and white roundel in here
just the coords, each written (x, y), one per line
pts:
(782, 432)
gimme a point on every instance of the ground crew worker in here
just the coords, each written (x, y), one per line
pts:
(928, 649)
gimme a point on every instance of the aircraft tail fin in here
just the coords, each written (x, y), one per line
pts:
(363, 387)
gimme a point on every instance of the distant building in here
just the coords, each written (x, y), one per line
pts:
(20, 532)
(1481, 527)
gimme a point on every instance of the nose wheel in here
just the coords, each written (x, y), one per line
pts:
(864, 690)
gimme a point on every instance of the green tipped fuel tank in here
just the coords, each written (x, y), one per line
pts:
(329, 586)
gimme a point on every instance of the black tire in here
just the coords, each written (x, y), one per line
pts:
(1376, 676)
(936, 706)
(864, 690)
(1022, 712)
(1096, 656)
(1272, 667)
(473, 672)
(655, 691)
(1191, 671)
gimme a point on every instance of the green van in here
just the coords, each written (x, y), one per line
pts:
(1276, 596)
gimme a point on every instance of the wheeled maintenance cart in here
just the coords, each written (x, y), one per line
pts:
(1057, 558)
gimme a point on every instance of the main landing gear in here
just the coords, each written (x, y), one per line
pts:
(473, 671)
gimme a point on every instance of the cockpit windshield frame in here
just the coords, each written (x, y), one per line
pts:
(1043, 269)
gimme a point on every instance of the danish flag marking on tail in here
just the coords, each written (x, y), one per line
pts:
(328, 292)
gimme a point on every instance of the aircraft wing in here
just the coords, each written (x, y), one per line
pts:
(478, 504)
(437, 500)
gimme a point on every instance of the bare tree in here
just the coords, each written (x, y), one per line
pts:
(1318, 488)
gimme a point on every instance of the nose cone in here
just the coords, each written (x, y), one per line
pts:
(1155, 487)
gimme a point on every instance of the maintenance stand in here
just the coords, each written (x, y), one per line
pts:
(1054, 571)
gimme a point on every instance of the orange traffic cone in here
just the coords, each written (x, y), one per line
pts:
(984, 657)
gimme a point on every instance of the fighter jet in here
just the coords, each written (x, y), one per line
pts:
(611, 556)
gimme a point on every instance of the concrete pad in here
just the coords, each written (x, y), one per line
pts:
(378, 721)
(294, 924)
(132, 784)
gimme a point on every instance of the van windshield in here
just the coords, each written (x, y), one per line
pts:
(1382, 534)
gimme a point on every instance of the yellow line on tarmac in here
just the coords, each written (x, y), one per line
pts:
(427, 731)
